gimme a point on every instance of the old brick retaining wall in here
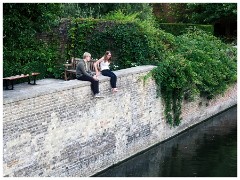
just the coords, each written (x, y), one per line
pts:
(64, 131)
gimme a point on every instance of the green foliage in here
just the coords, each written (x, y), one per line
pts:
(214, 61)
(199, 63)
(131, 42)
(21, 19)
(210, 12)
(202, 13)
(193, 63)
(178, 29)
(119, 15)
(22, 23)
(143, 11)
(20, 61)
(100, 10)
(81, 10)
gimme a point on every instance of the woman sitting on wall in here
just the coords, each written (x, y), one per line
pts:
(105, 70)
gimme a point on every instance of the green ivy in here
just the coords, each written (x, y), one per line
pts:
(194, 63)
(22, 61)
(199, 64)
(132, 42)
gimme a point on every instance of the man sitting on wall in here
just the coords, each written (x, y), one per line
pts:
(82, 73)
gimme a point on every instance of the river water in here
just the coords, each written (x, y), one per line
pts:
(206, 150)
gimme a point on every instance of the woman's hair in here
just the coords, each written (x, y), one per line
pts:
(105, 56)
(86, 54)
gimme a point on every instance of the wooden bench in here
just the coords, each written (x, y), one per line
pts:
(11, 79)
(70, 69)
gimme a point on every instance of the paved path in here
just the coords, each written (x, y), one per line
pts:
(24, 90)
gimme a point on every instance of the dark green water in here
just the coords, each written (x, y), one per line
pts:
(207, 150)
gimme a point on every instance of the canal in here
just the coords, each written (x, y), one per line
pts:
(206, 150)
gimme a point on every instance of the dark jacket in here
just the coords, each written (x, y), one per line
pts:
(82, 69)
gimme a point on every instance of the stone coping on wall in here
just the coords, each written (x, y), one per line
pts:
(45, 86)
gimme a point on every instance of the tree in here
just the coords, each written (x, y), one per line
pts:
(209, 13)
(222, 15)
(199, 13)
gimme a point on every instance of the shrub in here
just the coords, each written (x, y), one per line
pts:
(23, 50)
(131, 42)
(199, 64)
(39, 57)
(190, 64)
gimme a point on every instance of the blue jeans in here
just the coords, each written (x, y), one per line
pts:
(113, 80)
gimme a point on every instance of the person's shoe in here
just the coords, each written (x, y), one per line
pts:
(98, 96)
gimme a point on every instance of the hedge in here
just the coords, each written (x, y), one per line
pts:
(130, 42)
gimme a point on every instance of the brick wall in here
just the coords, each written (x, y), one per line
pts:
(64, 131)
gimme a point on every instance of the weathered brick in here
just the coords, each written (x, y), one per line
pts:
(63, 131)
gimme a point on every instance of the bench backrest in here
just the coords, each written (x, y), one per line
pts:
(90, 64)
(75, 62)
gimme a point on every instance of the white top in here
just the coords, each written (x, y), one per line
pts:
(104, 65)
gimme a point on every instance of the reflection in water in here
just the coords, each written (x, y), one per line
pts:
(207, 150)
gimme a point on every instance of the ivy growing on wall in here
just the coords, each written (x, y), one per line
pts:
(199, 64)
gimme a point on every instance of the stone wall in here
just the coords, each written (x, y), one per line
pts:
(63, 131)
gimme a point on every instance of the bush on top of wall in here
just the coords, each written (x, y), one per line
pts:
(199, 64)
(193, 63)
(131, 43)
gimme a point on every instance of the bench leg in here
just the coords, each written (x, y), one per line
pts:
(29, 80)
(12, 84)
(6, 84)
(65, 76)
(69, 75)
(34, 80)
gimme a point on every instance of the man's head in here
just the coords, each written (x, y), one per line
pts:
(87, 56)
